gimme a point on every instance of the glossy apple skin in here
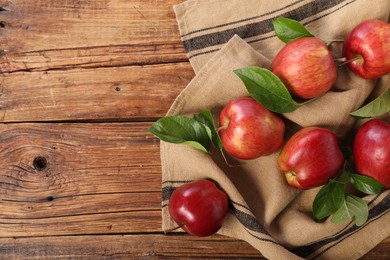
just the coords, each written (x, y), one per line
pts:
(249, 130)
(370, 40)
(306, 67)
(310, 158)
(371, 150)
(199, 207)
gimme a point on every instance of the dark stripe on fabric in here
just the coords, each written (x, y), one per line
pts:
(272, 36)
(215, 50)
(240, 21)
(166, 193)
(368, 222)
(346, 227)
(316, 245)
(248, 221)
(262, 238)
(241, 205)
(254, 29)
(322, 16)
(379, 209)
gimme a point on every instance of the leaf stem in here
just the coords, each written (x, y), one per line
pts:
(226, 161)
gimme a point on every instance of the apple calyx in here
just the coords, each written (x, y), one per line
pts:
(292, 179)
(310, 158)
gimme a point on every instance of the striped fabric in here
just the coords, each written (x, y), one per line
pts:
(222, 35)
(206, 25)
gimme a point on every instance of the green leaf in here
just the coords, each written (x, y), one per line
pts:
(288, 29)
(328, 200)
(182, 130)
(353, 208)
(365, 184)
(377, 107)
(267, 89)
(343, 176)
(205, 117)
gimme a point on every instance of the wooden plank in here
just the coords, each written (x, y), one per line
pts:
(79, 179)
(127, 247)
(139, 246)
(100, 223)
(95, 180)
(135, 92)
(44, 35)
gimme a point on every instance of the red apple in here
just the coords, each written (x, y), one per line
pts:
(198, 207)
(371, 150)
(306, 67)
(249, 130)
(367, 48)
(310, 158)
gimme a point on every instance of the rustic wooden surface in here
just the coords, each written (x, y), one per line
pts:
(80, 82)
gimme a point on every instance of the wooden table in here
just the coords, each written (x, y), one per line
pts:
(81, 80)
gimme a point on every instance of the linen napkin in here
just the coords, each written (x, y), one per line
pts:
(220, 36)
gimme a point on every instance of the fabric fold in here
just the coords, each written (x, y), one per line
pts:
(265, 211)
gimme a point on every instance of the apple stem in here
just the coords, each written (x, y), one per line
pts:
(344, 60)
(220, 128)
(328, 43)
(173, 229)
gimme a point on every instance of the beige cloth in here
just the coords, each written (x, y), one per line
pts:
(220, 36)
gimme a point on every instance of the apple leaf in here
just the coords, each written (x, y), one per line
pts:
(328, 199)
(205, 117)
(365, 184)
(377, 107)
(288, 29)
(182, 130)
(267, 89)
(353, 208)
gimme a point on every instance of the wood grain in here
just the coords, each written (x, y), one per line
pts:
(127, 246)
(50, 34)
(153, 246)
(125, 93)
(95, 179)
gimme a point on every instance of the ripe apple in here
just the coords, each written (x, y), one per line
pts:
(367, 48)
(198, 207)
(371, 150)
(310, 158)
(249, 130)
(306, 67)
